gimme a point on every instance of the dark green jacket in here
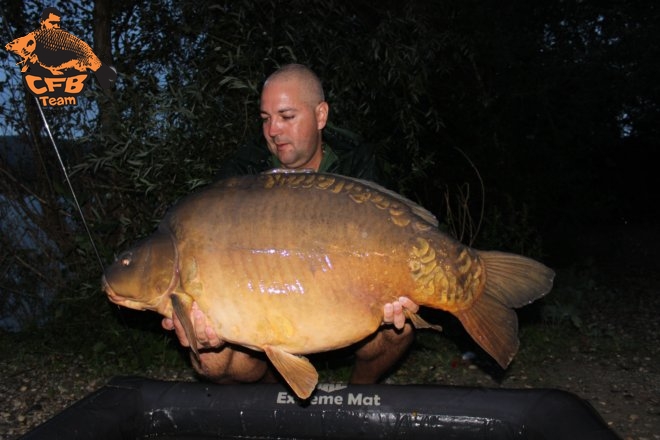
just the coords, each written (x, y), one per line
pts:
(343, 153)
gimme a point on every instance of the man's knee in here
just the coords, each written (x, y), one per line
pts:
(386, 340)
(229, 366)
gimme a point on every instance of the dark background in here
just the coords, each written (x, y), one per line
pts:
(524, 126)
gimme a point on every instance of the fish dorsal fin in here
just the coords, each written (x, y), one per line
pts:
(298, 372)
(418, 210)
(182, 307)
(288, 171)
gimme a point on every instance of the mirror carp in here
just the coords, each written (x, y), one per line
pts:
(293, 263)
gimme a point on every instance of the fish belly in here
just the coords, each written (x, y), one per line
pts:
(300, 302)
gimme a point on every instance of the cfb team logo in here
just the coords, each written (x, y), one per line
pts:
(55, 63)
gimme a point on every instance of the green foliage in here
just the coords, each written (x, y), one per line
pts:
(509, 227)
(556, 312)
(575, 290)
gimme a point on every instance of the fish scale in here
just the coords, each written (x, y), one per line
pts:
(57, 39)
(291, 263)
(66, 48)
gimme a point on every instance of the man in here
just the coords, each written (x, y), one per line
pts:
(50, 18)
(294, 113)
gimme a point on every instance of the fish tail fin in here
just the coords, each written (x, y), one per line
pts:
(511, 281)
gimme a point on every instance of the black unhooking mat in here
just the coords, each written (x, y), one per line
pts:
(138, 408)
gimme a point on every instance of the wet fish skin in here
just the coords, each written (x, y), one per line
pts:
(296, 263)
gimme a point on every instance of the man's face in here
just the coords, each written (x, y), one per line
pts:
(52, 22)
(292, 124)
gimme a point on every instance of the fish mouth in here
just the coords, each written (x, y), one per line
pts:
(112, 295)
(121, 301)
(130, 303)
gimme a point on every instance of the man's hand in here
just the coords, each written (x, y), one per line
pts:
(393, 313)
(206, 336)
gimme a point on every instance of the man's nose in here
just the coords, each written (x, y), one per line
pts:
(273, 129)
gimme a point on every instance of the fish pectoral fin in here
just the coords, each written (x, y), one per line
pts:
(418, 322)
(182, 308)
(298, 372)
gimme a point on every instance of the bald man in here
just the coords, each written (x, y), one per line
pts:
(294, 113)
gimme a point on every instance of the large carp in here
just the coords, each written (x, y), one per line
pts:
(300, 262)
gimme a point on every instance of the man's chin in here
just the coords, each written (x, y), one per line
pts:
(286, 159)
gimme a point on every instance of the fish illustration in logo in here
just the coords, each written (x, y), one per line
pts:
(57, 51)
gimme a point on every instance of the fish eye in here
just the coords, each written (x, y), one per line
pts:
(125, 259)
